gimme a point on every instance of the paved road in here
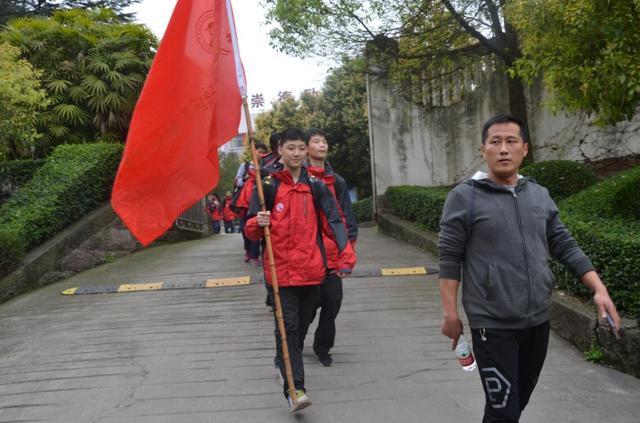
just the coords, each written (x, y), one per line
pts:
(205, 355)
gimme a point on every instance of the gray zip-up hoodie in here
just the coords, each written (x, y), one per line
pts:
(498, 243)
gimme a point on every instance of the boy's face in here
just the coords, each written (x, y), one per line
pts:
(293, 153)
(261, 151)
(504, 149)
(318, 147)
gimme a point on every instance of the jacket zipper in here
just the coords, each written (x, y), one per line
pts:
(524, 250)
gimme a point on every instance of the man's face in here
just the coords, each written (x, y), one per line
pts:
(504, 149)
(293, 153)
(318, 147)
(261, 151)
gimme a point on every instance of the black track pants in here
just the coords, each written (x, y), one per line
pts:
(325, 335)
(509, 362)
(297, 304)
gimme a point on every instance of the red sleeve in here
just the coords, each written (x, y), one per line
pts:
(252, 230)
(347, 259)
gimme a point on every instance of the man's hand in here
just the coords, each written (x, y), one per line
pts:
(263, 218)
(452, 328)
(605, 306)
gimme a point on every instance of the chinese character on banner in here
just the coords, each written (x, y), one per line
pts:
(311, 91)
(257, 100)
(283, 95)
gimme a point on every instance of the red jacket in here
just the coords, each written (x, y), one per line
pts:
(213, 210)
(335, 259)
(294, 231)
(228, 214)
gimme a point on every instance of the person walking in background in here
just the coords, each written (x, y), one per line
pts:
(497, 233)
(228, 215)
(214, 210)
(331, 287)
(245, 181)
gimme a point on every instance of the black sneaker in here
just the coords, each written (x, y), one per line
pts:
(325, 359)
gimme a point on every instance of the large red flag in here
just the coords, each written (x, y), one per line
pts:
(189, 106)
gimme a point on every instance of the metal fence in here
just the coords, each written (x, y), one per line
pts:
(194, 218)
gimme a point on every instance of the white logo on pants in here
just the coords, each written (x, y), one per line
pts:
(497, 386)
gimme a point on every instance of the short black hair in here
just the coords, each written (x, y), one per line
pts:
(261, 145)
(315, 131)
(293, 134)
(504, 118)
(274, 141)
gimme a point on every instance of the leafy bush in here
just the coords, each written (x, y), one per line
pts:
(363, 210)
(74, 180)
(604, 219)
(561, 177)
(422, 205)
(15, 173)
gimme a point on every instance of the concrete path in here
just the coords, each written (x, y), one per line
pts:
(206, 355)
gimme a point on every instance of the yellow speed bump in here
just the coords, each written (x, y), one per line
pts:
(214, 283)
(404, 271)
(70, 291)
(154, 286)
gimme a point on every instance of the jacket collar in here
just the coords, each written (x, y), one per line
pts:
(481, 178)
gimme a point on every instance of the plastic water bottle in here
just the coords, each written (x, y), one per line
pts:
(465, 356)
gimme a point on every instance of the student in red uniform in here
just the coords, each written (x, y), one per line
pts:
(228, 215)
(294, 200)
(214, 208)
(331, 287)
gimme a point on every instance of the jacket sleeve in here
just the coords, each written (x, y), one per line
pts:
(453, 235)
(344, 201)
(563, 247)
(329, 207)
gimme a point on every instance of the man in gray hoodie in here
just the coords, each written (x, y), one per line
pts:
(497, 233)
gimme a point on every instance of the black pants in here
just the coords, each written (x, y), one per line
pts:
(331, 293)
(228, 226)
(298, 304)
(509, 362)
(252, 248)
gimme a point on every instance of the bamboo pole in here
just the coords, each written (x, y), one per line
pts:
(272, 266)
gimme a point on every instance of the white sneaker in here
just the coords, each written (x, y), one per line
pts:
(302, 402)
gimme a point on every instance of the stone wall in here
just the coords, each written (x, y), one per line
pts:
(433, 138)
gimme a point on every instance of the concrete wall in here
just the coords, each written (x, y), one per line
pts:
(434, 139)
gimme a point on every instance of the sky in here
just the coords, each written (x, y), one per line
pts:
(268, 72)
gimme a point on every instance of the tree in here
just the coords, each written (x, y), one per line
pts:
(339, 109)
(433, 38)
(229, 163)
(21, 97)
(93, 68)
(22, 8)
(586, 52)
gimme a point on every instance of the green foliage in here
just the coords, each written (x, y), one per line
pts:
(74, 180)
(595, 354)
(340, 110)
(229, 163)
(605, 221)
(12, 248)
(422, 205)
(561, 177)
(363, 210)
(93, 68)
(586, 52)
(15, 173)
(21, 97)
(20, 8)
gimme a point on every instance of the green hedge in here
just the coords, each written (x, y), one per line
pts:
(363, 210)
(74, 180)
(561, 177)
(14, 174)
(422, 205)
(605, 221)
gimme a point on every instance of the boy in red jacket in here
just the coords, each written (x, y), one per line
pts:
(331, 287)
(294, 200)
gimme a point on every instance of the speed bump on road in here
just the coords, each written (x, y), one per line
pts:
(233, 281)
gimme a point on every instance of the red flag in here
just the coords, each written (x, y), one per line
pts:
(189, 106)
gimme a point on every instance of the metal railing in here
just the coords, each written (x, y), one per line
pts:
(194, 218)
